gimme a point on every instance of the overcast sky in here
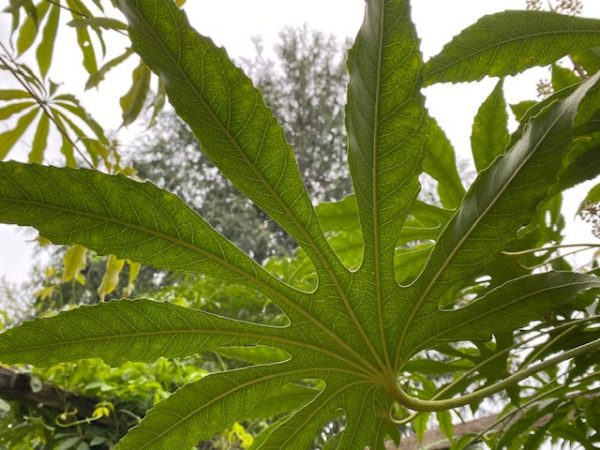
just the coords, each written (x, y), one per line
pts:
(232, 23)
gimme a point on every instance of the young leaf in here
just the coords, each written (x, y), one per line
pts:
(110, 280)
(440, 163)
(97, 77)
(102, 22)
(133, 101)
(40, 139)
(84, 41)
(9, 138)
(46, 48)
(509, 42)
(490, 129)
(14, 108)
(75, 260)
(30, 28)
(13, 94)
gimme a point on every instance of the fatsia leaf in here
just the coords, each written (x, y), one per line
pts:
(228, 115)
(199, 410)
(134, 330)
(239, 134)
(340, 333)
(509, 306)
(386, 123)
(498, 203)
(509, 42)
(100, 207)
(490, 129)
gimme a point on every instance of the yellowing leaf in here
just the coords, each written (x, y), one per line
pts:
(134, 270)
(110, 281)
(74, 262)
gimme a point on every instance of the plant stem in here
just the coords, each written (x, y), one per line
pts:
(417, 404)
(42, 104)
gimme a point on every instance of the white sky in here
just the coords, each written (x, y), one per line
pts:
(233, 23)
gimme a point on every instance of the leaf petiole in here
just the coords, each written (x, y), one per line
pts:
(417, 404)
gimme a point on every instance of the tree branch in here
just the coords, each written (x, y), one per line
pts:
(16, 386)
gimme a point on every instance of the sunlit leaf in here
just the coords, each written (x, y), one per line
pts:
(509, 42)
(490, 129)
(40, 139)
(9, 138)
(133, 101)
(46, 48)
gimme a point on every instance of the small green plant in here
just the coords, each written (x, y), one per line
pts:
(357, 327)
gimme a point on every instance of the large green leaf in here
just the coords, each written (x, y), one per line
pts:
(116, 215)
(351, 332)
(228, 115)
(387, 124)
(241, 137)
(199, 410)
(509, 42)
(500, 201)
(140, 330)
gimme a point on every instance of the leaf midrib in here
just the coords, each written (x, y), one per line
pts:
(312, 243)
(183, 331)
(375, 190)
